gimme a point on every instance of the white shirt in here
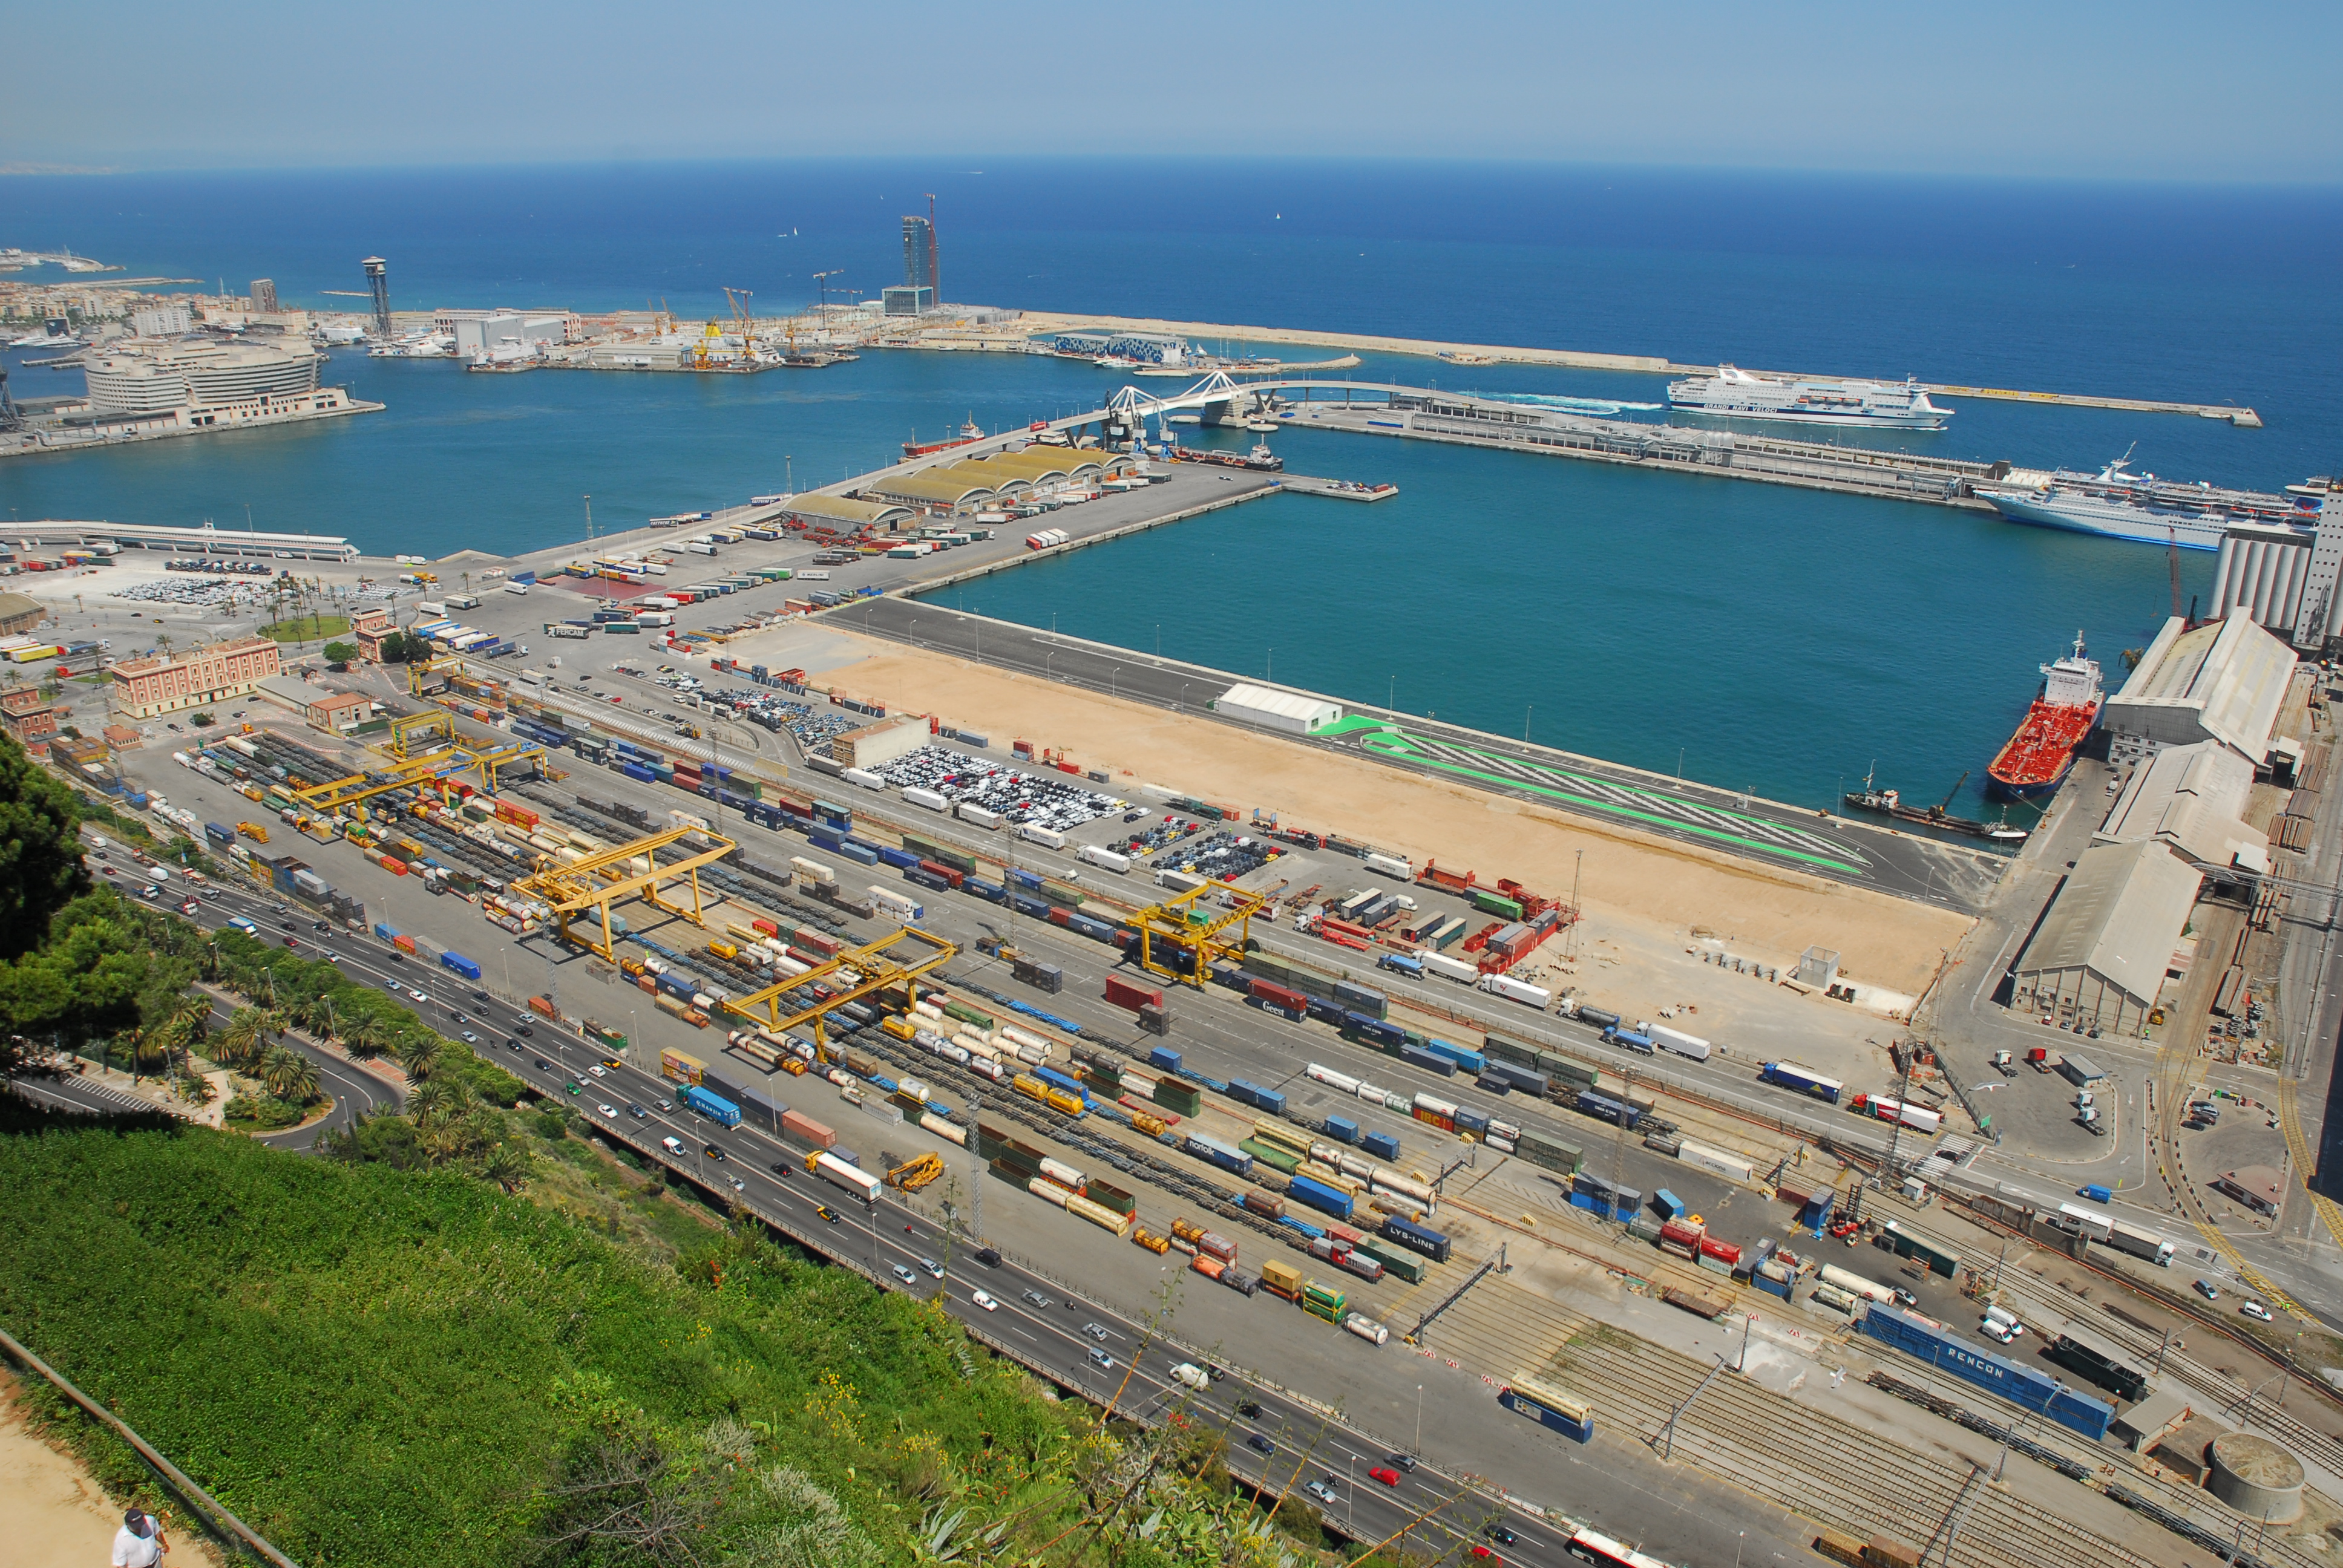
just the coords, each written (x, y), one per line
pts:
(134, 1551)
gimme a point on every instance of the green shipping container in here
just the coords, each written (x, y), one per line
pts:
(1550, 1152)
(967, 1014)
(1399, 1261)
(1175, 1096)
(1108, 1197)
(1106, 1081)
(1511, 1050)
(1270, 1155)
(1063, 895)
(1495, 904)
(1562, 1070)
(1015, 1159)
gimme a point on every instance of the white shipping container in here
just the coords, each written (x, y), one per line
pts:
(1439, 963)
(893, 904)
(1177, 881)
(1097, 855)
(1391, 866)
(1012, 1035)
(927, 798)
(1047, 837)
(1367, 1329)
(1372, 1093)
(1708, 1157)
(1048, 1191)
(838, 1172)
(977, 816)
(1063, 1174)
(1676, 1040)
(1513, 990)
(863, 777)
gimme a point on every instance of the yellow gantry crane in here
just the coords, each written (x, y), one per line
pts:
(435, 724)
(441, 764)
(1178, 927)
(875, 969)
(604, 877)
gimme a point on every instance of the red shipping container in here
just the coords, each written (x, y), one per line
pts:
(1122, 993)
(1207, 1265)
(827, 947)
(1069, 767)
(646, 983)
(542, 1007)
(1212, 1244)
(404, 944)
(1724, 1251)
(1060, 915)
(1684, 1232)
(952, 875)
(806, 1129)
(766, 926)
(1270, 992)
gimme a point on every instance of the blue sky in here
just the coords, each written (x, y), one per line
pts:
(1985, 87)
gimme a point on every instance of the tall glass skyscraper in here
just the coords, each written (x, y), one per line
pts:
(920, 253)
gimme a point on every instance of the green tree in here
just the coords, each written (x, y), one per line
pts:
(242, 1041)
(41, 867)
(341, 652)
(366, 1037)
(418, 1053)
(317, 1016)
(289, 1075)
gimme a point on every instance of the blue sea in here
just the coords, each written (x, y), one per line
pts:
(1775, 640)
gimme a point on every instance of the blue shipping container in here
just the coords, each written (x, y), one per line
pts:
(385, 933)
(1471, 1121)
(1416, 1056)
(2021, 1385)
(1255, 1095)
(1602, 1107)
(1415, 1238)
(1520, 1078)
(1472, 1061)
(713, 1106)
(1317, 1195)
(1804, 1080)
(863, 853)
(1382, 1145)
(1521, 1403)
(901, 859)
(460, 964)
(1164, 1059)
(1226, 1156)
(1342, 1130)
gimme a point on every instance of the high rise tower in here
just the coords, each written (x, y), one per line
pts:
(377, 272)
(920, 252)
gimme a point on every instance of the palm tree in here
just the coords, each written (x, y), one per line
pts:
(419, 1053)
(510, 1166)
(317, 1016)
(438, 1099)
(289, 1075)
(368, 1038)
(243, 1039)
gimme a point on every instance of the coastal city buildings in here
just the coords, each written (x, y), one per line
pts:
(19, 613)
(217, 672)
(27, 716)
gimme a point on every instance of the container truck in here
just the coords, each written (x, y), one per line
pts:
(714, 1107)
(1802, 1079)
(838, 1174)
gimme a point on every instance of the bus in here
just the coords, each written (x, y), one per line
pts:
(1588, 1546)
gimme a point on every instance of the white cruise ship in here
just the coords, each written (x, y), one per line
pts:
(1735, 394)
(2141, 507)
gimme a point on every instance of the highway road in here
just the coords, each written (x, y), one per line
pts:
(1905, 864)
(1053, 1336)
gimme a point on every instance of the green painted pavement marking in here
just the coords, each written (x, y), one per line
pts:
(1398, 743)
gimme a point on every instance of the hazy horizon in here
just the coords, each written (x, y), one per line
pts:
(2155, 92)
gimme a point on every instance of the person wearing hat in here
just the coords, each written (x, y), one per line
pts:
(139, 1542)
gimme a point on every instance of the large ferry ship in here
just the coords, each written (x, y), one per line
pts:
(2035, 758)
(2141, 507)
(1735, 394)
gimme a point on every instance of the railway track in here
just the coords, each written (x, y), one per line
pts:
(1827, 1469)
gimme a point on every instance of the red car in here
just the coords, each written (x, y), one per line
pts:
(1386, 1474)
(1484, 1551)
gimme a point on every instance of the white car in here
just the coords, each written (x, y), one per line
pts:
(418, 995)
(596, 1071)
(609, 1110)
(987, 1303)
(2256, 1310)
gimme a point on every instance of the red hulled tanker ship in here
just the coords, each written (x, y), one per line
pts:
(2036, 759)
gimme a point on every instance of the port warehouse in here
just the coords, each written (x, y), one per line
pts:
(2196, 721)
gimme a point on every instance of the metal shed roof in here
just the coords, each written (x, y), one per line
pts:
(2120, 915)
(1285, 704)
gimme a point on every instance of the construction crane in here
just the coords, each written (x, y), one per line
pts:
(435, 724)
(914, 1174)
(1194, 934)
(821, 290)
(602, 878)
(340, 792)
(738, 299)
(873, 970)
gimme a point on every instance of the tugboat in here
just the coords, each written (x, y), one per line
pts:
(1889, 803)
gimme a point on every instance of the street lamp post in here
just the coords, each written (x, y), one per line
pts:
(1419, 1420)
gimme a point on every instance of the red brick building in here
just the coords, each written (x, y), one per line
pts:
(218, 672)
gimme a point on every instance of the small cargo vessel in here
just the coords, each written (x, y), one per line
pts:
(2036, 759)
(1260, 457)
(1889, 803)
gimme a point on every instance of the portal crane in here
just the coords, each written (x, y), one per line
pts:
(1194, 933)
(874, 968)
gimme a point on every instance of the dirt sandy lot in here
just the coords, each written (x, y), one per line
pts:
(1660, 890)
(54, 1511)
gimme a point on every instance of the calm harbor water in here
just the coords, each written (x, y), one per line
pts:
(1775, 639)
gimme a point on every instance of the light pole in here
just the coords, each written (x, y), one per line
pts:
(1419, 1421)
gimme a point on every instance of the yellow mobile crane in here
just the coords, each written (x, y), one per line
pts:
(1178, 928)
